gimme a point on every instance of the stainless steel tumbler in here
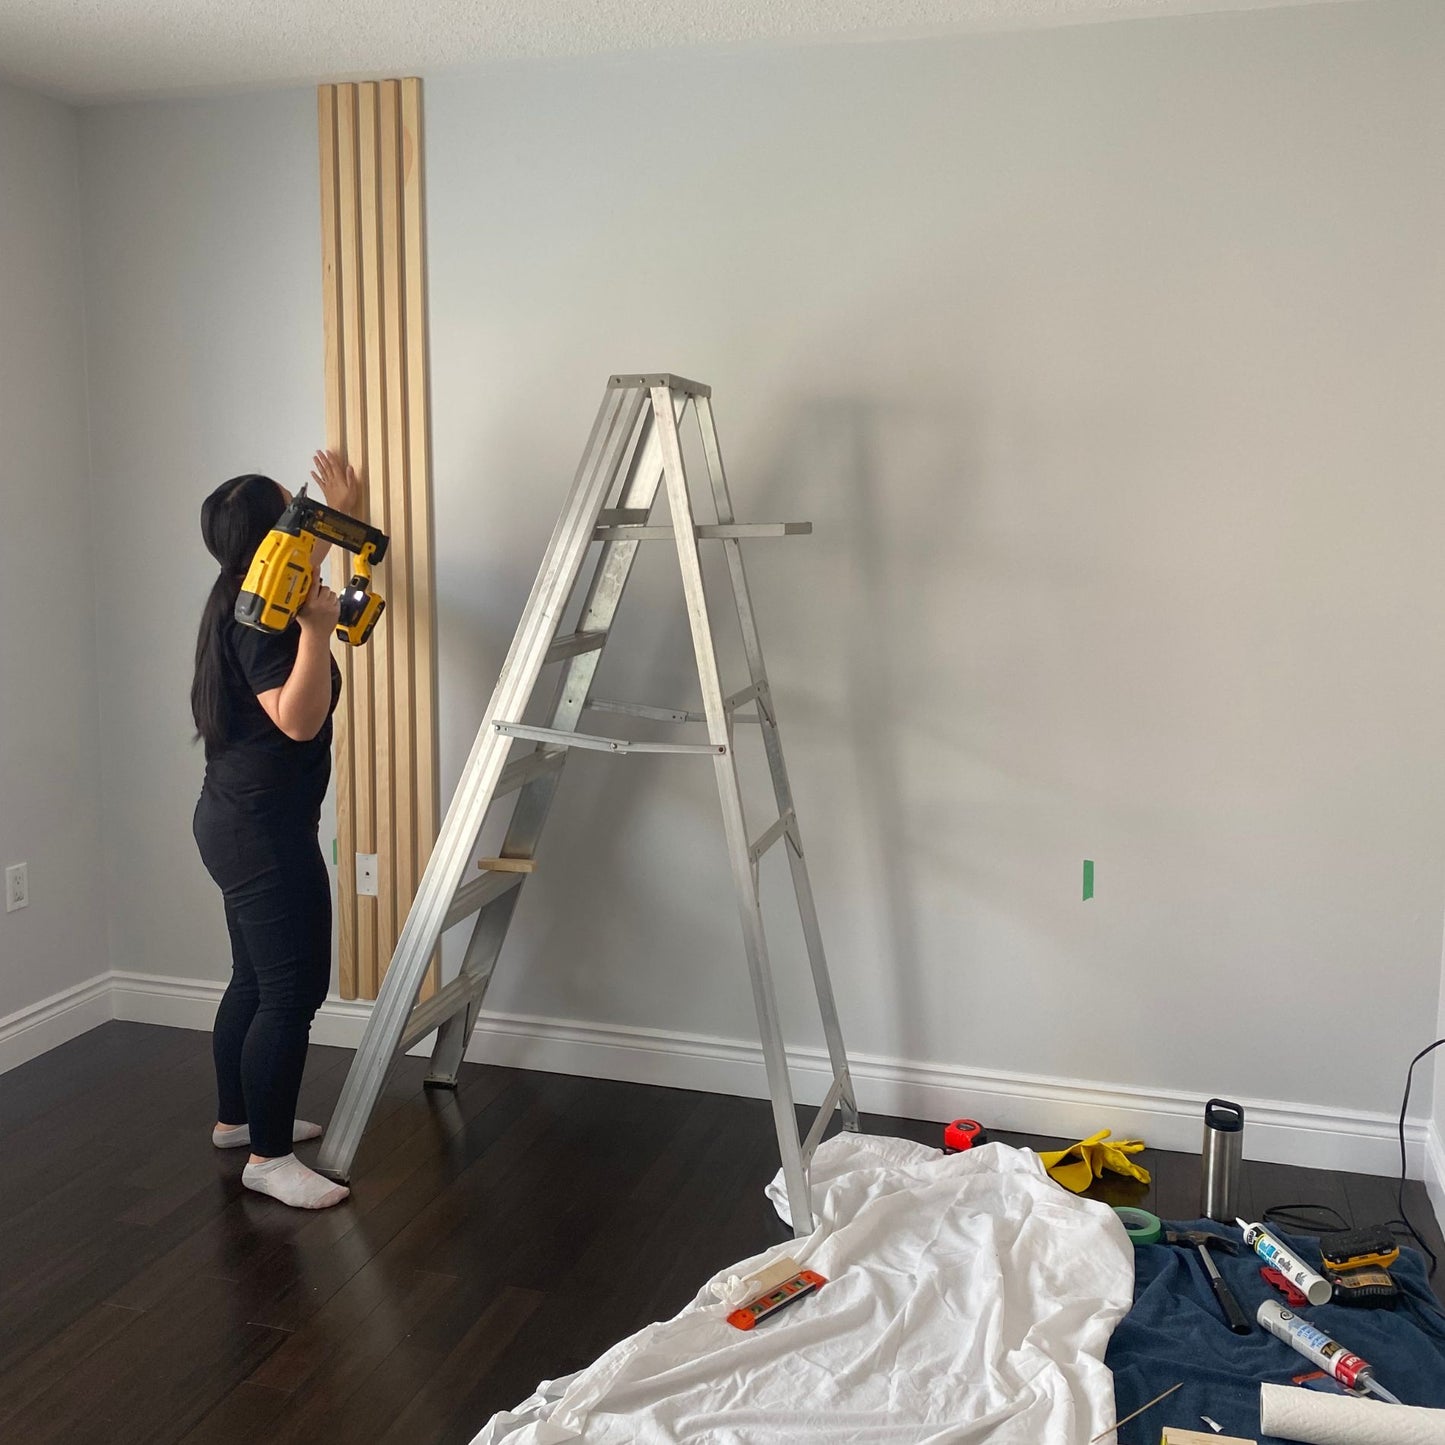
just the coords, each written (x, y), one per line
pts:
(1222, 1160)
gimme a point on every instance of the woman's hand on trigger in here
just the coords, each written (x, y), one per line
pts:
(338, 482)
(321, 610)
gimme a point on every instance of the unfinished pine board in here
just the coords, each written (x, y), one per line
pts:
(398, 524)
(335, 377)
(511, 865)
(374, 323)
(374, 506)
(357, 700)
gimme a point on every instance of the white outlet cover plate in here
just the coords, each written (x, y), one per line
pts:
(17, 887)
(366, 875)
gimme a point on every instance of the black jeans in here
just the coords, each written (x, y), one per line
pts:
(278, 911)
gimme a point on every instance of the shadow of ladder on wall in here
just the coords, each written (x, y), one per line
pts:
(634, 449)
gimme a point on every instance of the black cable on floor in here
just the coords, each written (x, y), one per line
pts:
(1293, 1216)
(1400, 1195)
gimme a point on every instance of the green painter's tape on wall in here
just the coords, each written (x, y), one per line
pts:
(1088, 879)
(335, 857)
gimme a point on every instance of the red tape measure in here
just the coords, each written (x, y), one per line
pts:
(963, 1134)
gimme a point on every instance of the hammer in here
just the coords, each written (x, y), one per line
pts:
(1238, 1320)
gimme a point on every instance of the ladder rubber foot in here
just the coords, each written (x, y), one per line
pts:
(449, 1084)
(339, 1175)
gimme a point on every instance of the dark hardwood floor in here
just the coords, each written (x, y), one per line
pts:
(504, 1234)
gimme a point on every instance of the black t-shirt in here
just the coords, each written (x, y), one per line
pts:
(260, 771)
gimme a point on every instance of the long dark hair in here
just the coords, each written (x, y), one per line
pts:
(234, 521)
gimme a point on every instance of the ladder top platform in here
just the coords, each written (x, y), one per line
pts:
(658, 378)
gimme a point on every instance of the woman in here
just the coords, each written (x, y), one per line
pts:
(262, 704)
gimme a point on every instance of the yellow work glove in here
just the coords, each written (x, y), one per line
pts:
(1080, 1164)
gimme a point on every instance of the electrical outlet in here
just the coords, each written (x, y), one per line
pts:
(366, 875)
(17, 887)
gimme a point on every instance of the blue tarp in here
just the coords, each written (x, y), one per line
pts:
(1176, 1331)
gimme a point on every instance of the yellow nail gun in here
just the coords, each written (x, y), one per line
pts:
(282, 572)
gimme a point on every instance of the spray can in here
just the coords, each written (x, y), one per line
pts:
(1221, 1160)
(1331, 1356)
(1315, 1288)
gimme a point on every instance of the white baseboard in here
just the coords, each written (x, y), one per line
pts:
(1435, 1169)
(1278, 1132)
(40, 1027)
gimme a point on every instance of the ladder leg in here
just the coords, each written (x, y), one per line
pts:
(777, 768)
(611, 433)
(775, 1057)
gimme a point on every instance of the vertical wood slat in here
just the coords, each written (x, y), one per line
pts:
(393, 286)
(331, 312)
(377, 416)
(359, 705)
(379, 648)
(428, 794)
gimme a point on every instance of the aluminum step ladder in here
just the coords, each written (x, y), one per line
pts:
(635, 447)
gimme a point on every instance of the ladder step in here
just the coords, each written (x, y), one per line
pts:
(534, 765)
(771, 836)
(642, 709)
(623, 516)
(446, 1001)
(649, 379)
(706, 532)
(507, 865)
(476, 893)
(600, 744)
(820, 1122)
(658, 714)
(573, 644)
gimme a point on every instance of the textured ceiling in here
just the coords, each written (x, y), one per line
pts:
(88, 51)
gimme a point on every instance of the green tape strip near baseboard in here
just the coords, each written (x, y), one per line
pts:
(1088, 879)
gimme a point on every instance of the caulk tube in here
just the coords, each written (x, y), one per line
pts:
(1316, 1289)
(1331, 1356)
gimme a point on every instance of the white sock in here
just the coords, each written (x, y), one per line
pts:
(290, 1181)
(241, 1135)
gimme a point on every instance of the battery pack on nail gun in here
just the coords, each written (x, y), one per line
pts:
(790, 1291)
(282, 572)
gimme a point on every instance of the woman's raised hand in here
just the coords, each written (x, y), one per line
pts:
(321, 610)
(338, 482)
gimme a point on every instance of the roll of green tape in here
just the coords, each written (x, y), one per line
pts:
(1141, 1226)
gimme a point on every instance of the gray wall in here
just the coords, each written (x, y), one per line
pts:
(1106, 362)
(203, 304)
(49, 748)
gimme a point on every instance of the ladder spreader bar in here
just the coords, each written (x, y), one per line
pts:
(597, 744)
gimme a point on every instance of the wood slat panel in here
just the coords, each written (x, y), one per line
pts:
(331, 308)
(374, 317)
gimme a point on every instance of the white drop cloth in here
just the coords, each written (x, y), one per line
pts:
(970, 1299)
